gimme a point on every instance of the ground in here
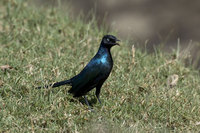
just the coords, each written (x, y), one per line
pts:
(144, 93)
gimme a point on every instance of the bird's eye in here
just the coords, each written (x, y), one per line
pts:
(108, 39)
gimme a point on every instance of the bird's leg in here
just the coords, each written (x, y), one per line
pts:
(98, 88)
(86, 101)
(97, 95)
(99, 99)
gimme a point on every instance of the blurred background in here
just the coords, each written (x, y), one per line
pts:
(145, 22)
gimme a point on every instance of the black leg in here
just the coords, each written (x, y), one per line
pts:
(86, 101)
(98, 99)
(98, 89)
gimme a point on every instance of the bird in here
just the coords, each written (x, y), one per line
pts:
(94, 74)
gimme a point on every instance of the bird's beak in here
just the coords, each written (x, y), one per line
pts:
(117, 43)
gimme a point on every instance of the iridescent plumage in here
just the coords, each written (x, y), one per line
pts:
(95, 72)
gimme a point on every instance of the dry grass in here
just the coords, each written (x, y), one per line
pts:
(156, 93)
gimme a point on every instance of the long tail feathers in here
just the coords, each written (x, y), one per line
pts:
(56, 84)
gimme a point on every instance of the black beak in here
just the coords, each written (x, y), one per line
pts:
(116, 42)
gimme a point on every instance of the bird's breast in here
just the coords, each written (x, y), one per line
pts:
(105, 62)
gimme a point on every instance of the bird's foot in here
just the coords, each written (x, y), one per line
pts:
(99, 100)
(89, 107)
(91, 110)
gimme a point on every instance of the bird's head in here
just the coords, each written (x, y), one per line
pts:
(109, 41)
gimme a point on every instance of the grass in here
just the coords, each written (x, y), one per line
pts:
(156, 93)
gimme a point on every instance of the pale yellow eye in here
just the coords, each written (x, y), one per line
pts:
(108, 39)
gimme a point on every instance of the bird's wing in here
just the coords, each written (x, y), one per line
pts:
(86, 79)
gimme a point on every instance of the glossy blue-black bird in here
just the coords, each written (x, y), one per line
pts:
(95, 72)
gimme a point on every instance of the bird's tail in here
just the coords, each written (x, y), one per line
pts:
(57, 84)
